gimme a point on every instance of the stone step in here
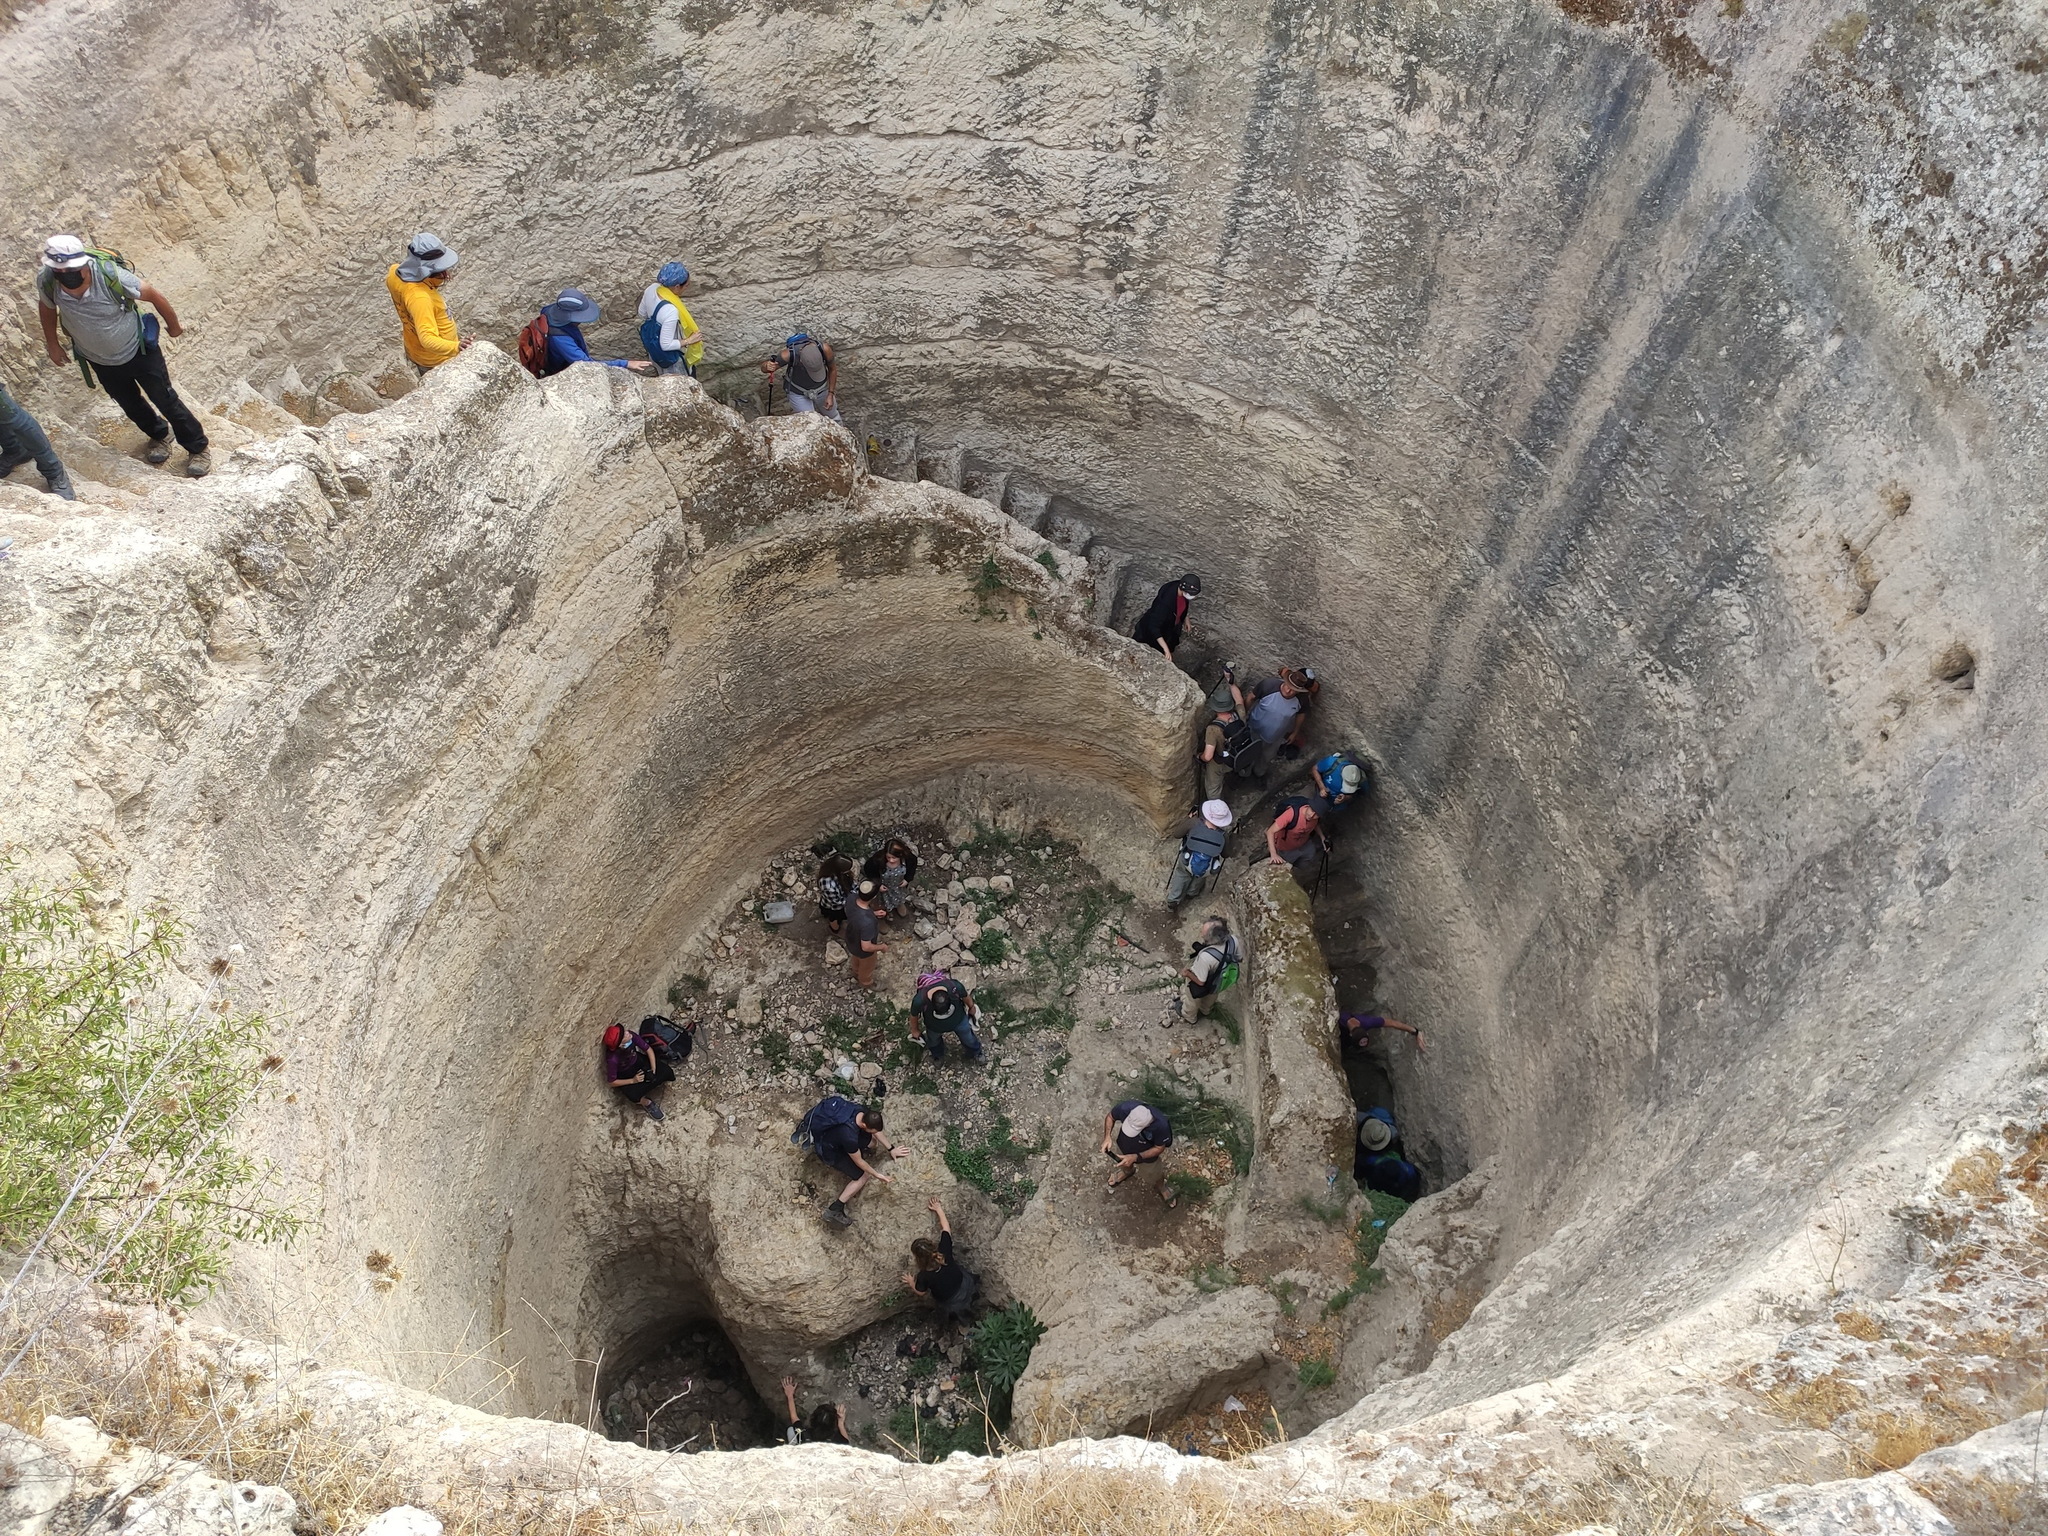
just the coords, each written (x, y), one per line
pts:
(943, 466)
(1066, 528)
(894, 456)
(1110, 567)
(991, 485)
(1027, 506)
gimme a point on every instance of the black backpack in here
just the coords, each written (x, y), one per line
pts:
(672, 1041)
(1238, 739)
(1203, 848)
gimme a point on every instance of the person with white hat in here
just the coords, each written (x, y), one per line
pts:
(1135, 1137)
(415, 286)
(1201, 851)
(98, 303)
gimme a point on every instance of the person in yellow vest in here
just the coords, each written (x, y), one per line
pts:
(667, 331)
(415, 286)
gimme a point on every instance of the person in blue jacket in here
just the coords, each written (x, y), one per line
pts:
(572, 310)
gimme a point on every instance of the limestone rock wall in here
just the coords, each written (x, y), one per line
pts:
(1638, 423)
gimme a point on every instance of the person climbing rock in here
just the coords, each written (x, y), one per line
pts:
(827, 1424)
(1201, 852)
(1380, 1162)
(555, 341)
(835, 884)
(23, 441)
(892, 867)
(1207, 970)
(862, 935)
(810, 375)
(842, 1133)
(634, 1067)
(97, 301)
(414, 283)
(1136, 1136)
(1356, 1030)
(667, 330)
(943, 1006)
(936, 1273)
(1297, 837)
(1166, 621)
(1279, 710)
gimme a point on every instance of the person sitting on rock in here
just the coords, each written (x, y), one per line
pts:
(863, 935)
(827, 1425)
(635, 1068)
(940, 1006)
(1355, 1030)
(892, 867)
(1380, 1162)
(1201, 850)
(835, 884)
(1135, 1136)
(1166, 621)
(936, 1273)
(842, 1134)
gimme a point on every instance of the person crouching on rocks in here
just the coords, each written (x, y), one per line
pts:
(942, 1005)
(635, 1068)
(842, 1142)
(1136, 1136)
(938, 1274)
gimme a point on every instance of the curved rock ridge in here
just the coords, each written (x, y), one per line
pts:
(476, 711)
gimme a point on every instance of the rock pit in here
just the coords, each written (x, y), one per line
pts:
(1635, 417)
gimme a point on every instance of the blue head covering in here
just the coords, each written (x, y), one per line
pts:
(572, 306)
(673, 274)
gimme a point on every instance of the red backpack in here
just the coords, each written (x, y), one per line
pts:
(533, 347)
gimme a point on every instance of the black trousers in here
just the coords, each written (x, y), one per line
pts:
(142, 375)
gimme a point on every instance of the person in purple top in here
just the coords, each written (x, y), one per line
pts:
(1355, 1029)
(572, 310)
(634, 1068)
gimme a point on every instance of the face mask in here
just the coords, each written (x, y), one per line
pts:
(72, 277)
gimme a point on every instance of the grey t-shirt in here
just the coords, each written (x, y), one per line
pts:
(1273, 716)
(101, 330)
(862, 927)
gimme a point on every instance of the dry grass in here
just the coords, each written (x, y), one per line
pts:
(1976, 1174)
(1859, 1324)
(1818, 1403)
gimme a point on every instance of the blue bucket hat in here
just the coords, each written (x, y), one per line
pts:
(673, 274)
(572, 306)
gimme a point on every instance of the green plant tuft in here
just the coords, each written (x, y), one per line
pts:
(1195, 1114)
(1191, 1187)
(1316, 1374)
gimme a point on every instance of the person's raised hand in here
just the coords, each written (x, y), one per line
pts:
(934, 1207)
(1419, 1046)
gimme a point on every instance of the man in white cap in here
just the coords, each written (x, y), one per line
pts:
(1135, 1136)
(96, 300)
(1201, 851)
(415, 287)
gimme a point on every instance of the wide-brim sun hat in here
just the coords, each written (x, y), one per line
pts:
(1216, 813)
(573, 306)
(61, 252)
(428, 254)
(1374, 1135)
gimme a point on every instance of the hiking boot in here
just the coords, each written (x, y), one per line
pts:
(158, 451)
(199, 465)
(653, 1110)
(835, 1213)
(59, 485)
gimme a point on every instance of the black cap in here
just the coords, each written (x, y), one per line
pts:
(1191, 584)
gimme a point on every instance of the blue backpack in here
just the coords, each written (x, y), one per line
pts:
(823, 1116)
(1392, 1175)
(1330, 774)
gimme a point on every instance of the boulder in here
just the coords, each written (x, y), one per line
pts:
(748, 1007)
(835, 952)
(1885, 1505)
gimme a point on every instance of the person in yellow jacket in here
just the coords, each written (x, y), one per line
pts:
(415, 286)
(670, 335)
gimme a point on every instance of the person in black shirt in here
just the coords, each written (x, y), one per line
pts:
(843, 1148)
(827, 1425)
(939, 1274)
(1137, 1135)
(1166, 620)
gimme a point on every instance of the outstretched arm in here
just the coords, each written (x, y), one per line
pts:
(789, 1396)
(939, 1211)
(154, 297)
(51, 345)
